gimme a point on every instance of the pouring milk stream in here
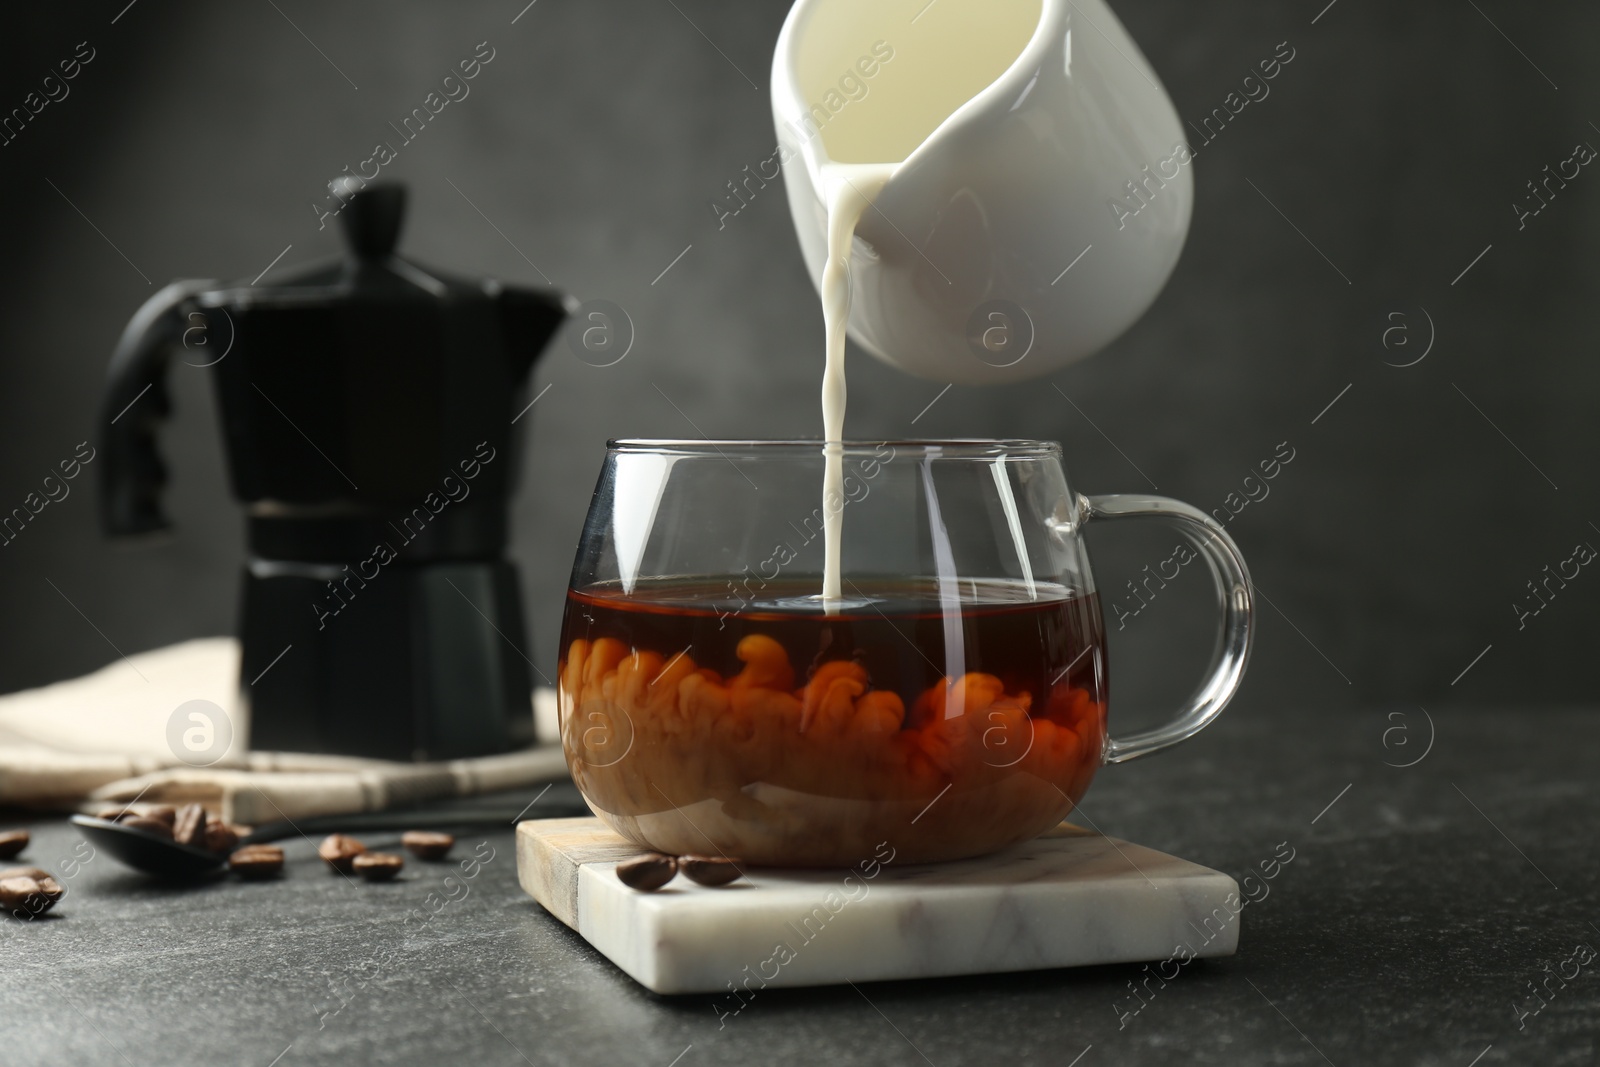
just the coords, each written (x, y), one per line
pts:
(944, 157)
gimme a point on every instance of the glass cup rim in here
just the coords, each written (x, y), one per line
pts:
(933, 448)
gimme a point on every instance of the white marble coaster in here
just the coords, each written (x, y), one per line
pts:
(1066, 899)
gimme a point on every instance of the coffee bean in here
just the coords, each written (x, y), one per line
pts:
(47, 883)
(707, 870)
(189, 827)
(647, 873)
(161, 813)
(36, 873)
(378, 866)
(22, 898)
(12, 842)
(427, 845)
(339, 851)
(148, 825)
(220, 838)
(257, 861)
(14, 891)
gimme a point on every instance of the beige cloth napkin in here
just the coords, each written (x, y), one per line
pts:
(104, 738)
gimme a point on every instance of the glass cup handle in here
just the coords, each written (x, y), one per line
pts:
(1234, 637)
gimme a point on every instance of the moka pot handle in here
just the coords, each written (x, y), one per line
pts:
(132, 472)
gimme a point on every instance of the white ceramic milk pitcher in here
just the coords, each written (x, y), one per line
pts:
(1042, 187)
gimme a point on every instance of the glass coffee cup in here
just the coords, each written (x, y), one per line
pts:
(951, 702)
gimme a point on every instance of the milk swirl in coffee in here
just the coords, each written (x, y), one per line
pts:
(944, 55)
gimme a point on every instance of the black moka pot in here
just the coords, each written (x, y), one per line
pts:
(371, 410)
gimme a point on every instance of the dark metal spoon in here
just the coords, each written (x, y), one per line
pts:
(166, 858)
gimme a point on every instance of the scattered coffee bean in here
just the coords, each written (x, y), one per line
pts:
(340, 851)
(220, 838)
(47, 882)
(378, 866)
(427, 845)
(708, 870)
(647, 873)
(148, 825)
(23, 898)
(38, 874)
(189, 827)
(12, 842)
(257, 861)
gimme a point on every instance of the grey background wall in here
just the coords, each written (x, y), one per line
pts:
(1390, 551)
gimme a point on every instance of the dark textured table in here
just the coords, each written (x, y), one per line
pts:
(1421, 903)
